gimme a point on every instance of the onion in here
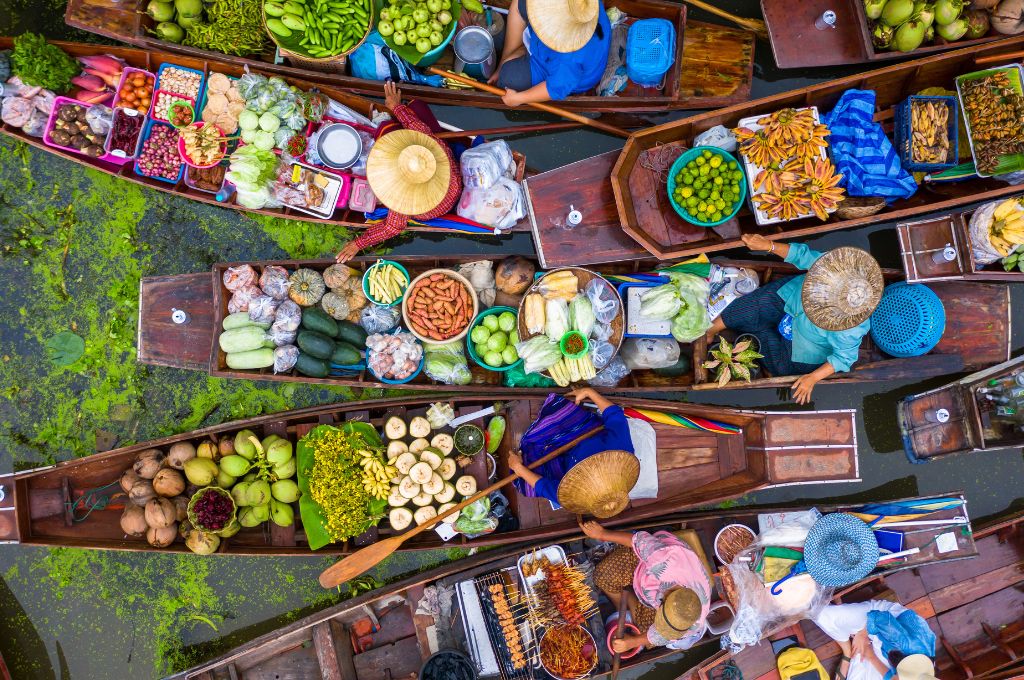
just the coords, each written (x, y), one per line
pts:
(133, 520)
(162, 537)
(160, 513)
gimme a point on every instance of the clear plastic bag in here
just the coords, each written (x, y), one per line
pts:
(36, 125)
(556, 315)
(482, 166)
(288, 316)
(538, 353)
(239, 277)
(262, 309)
(241, 298)
(602, 331)
(274, 282)
(718, 136)
(604, 300)
(481, 275)
(285, 357)
(16, 111)
(280, 336)
(447, 364)
(649, 352)
(250, 84)
(377, 319)
(601, 353)
(499, 206)
(44, 100)
(100, 118)
(610, 375)
(981, 247)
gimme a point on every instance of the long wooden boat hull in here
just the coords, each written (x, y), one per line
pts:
(970, 427)
(634, 201)
(694, 468)
(974, 608)
(713, 64)
(977, 333)
(150, 60)
(320, 645)
(797, 43)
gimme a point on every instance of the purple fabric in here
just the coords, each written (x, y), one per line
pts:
(558, 423)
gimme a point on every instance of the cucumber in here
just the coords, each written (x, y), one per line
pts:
(315, 319)
(352, 333)
(311, 366)
(256, 358)
(278, 28)
(315, 344)
(293, 7)
(273, 9)
(293, 22)
(345, 354)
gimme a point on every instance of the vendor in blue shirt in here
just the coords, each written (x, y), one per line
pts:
(614, 437)
(563, 51)
(825, 312)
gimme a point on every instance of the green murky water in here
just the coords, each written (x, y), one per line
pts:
(73, 246)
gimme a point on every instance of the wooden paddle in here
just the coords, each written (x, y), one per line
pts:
(547, 108)
(620, 630)
(362, 560)
(753, 25)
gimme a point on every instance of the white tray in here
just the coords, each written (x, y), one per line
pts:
(637, 325)
(331, 192)
(751, 170)
(963, 111)
(555, 555)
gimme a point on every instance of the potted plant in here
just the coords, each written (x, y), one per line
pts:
(732, 362)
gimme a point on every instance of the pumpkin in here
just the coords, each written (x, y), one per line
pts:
(307, 287)
(337, 275)
(335, 305)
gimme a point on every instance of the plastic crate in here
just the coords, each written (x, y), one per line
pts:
(909, 320)
(650, 51)
(123, 112)
(645, 328)
(146, 131)
(52, 121)
(160, 71)
(904, 134)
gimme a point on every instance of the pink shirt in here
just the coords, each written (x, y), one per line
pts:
(666, 563)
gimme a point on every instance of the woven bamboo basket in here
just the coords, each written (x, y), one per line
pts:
(854, 207)
(333, 64)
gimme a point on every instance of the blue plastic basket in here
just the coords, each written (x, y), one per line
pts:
(686, 158)
(147, 130)
(650, 51)
(904, 135)
(909, 320)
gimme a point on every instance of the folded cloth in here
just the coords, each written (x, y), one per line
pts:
(862, 153)
(906, 632)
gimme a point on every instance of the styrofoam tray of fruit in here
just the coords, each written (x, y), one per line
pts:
(752, 170)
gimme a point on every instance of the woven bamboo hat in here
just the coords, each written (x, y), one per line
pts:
(916, 667)
(408, 171)
(842, 288)
(563, 25)
(677, 613)
(599, 485)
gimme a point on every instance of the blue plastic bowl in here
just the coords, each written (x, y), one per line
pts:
(469, 340)
(686, 158)
(388, 381)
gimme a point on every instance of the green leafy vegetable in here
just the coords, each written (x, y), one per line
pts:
(65, 348)
(38, 63)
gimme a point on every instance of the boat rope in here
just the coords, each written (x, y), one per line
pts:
(89, 501)
(660, 157)
(727, 671)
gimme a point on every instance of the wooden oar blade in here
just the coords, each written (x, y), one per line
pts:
(359, 562)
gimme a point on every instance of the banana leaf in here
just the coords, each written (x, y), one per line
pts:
(314, 521)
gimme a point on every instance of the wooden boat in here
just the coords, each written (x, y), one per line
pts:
(969, 425)
(977, 333)
(150, 60)
(797, 43)
(695, 468)
(628, 216)
(974, 607)
(320, 645)
(922, 242)
(713, 64)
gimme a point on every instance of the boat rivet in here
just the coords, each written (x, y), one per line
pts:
(947, 254)
(826, 20)
(940, 415)
(3, 493)
(179, 316)
(574, 218)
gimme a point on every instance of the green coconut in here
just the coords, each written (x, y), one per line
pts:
(896, 12)
(909, 36)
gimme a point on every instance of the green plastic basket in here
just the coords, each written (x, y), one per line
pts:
(366, 283)
(469, 340)
(686, 158)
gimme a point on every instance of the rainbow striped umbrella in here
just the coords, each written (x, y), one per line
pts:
(698, 266)
(681, 421)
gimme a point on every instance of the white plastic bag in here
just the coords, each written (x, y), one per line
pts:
(981, 247)
(482, 166)
(649, 352)
(718, 136)
(481, 275)
(610, 375)
(499, 206)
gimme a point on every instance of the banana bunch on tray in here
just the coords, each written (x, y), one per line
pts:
(1006, 232)
(929, 121)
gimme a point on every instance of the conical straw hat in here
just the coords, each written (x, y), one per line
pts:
(563, 25)
(408, 171)
(677, 613)
(842, 288)
(599, 485)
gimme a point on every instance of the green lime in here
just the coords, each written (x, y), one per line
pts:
(732, 165)
(716, 161)
(692, 201)
(717, 181)
(706, 154)
(687, 192)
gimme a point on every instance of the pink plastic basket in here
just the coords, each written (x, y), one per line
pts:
(184, 156)
(51, 124)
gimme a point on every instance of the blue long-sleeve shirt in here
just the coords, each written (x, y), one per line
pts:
(614, 436)
(568, 73)
(811, 344)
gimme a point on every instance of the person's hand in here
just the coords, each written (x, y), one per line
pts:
(497, 73)
(350, 250)
(802, 388)
(756, 242)
(582, 394)
(861, 645)
(392, 95)
(621, 646)
(512, 98)
(515, 462)
(593, 530)
(846, 648)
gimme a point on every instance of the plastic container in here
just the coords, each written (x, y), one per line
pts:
(51, 123)
(362, 197)
(146, 131)
(389, 381)
(366, 282)
(563, 343)
(336, 187)
(909, 320)
(636, 326)
(166, 65)
(202, 105)
(174, 98)
(611, 626)
(117, 153)
(1016, 74)
(555, 555)
(128, 71)
(686, 158)
(338, 146)
(188, 161)
(732, 528)
(904, 133)
(189, 183)
(650, 51)
(469, 340)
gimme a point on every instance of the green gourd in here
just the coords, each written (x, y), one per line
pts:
(256, 358)
(242, 339)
